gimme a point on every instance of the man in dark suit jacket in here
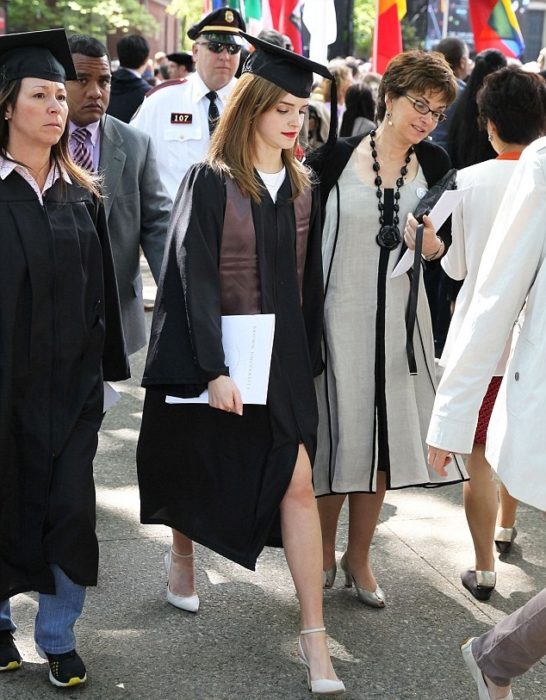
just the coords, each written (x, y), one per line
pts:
(128, 86)
(136, 203)
(455, 51)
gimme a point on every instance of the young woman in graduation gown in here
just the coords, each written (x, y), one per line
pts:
(244, 239)
(60, 336)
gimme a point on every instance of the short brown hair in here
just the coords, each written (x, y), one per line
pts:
(416, 71)
(231, 148)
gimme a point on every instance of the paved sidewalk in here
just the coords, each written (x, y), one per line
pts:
(241, 644)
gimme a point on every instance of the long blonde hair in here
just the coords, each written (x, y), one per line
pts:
(60, 154)
(232, 145)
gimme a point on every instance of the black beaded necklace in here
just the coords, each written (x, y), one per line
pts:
(389, 234)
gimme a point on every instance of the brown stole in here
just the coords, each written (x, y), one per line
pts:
(239, 269)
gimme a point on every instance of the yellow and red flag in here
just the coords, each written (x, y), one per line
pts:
(387, 38)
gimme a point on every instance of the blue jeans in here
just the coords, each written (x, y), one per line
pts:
(57, 615)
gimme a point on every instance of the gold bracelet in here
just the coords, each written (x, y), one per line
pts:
(430, 258)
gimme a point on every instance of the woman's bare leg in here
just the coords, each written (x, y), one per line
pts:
(480, 504)
(364, 510)
(303, 550)
(182, 573)
(508, 507)
(329, 508)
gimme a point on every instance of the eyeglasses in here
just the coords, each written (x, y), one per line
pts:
(423, 108)
(218, 47)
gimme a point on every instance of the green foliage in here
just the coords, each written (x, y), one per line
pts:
(95, 17)
(410, 40)
(188, 12)
(363, 26)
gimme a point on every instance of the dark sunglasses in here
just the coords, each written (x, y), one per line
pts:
(218, 47)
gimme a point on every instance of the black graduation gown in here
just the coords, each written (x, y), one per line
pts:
(217, 477)
(58, 293)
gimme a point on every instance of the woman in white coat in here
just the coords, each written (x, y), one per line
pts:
(513, 272)
(509, 131)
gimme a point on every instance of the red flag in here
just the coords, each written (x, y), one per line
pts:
(387, 40)
(285, 15)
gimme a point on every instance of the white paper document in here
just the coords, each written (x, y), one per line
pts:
(248, 344)
(111, 397)
(441, 210)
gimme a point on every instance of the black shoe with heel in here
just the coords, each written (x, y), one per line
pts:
(480, 583)
(504, 537)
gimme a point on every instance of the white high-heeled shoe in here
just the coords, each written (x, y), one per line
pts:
(322, 686)
(188, 603)
(476, 673)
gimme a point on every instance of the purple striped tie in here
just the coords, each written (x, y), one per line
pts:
(80, 152)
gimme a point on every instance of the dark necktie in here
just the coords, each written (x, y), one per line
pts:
(214, 114)
(80, 152)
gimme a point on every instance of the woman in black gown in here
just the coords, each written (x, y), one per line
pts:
(60, 335)
(245, 239)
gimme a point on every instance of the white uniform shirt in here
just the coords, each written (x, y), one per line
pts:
(176, 119)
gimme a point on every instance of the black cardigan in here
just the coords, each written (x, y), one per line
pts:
(328, 162)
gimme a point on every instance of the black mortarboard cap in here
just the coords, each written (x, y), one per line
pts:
(36, 55)
(224, 25)
(287, 69)
(290, 71)
(182, 58)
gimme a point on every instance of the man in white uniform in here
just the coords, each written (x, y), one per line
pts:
(180, 117)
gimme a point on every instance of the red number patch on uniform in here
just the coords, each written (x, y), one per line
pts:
(179, 118)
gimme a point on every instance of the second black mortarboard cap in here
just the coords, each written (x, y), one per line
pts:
(181, 58)
(43, 55)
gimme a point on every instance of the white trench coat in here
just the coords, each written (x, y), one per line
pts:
(513, 270)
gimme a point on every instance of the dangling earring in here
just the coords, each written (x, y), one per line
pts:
(389, 120)
(490, 136)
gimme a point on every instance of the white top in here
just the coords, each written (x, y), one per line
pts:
(7, 167)
(513, 273)
(176, 119)
(273, 181)
(472, 222)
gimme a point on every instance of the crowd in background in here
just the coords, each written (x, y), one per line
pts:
(357, 86)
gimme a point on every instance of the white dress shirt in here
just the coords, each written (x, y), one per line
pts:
(8, 166)
(176, 119)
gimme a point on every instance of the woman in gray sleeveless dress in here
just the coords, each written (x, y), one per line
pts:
(373, 413)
